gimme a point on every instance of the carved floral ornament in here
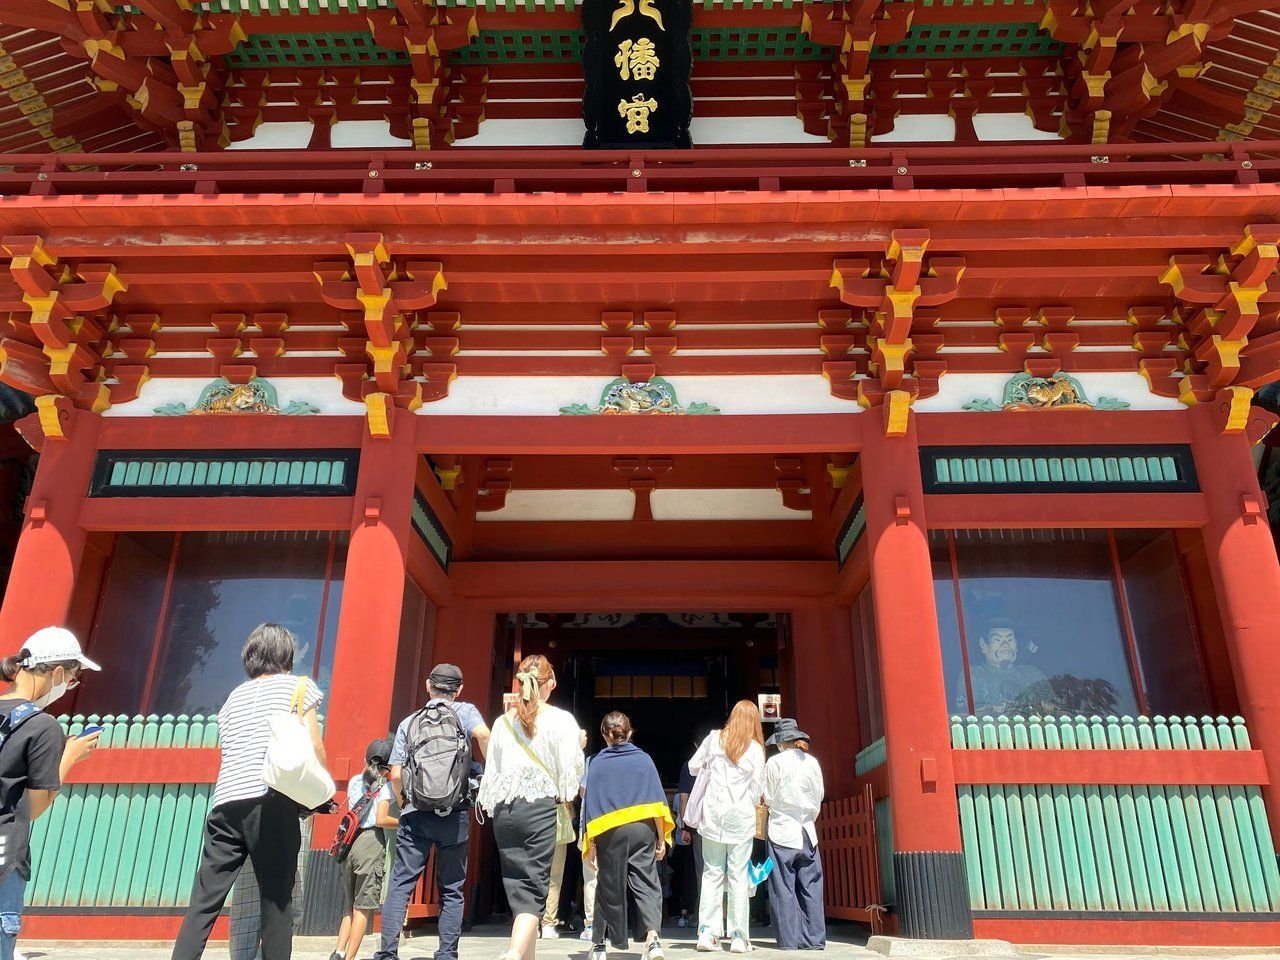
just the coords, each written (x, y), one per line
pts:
(649, 397)
(223, 397)
(1058, 392)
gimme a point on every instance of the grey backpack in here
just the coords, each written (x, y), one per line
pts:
(437, 759)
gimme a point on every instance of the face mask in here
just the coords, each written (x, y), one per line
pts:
(57, 690)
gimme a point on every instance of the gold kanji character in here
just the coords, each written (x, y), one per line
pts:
(638, 60)
(627, 7)
(637, 110)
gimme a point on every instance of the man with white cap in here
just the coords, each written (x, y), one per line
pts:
(34, 757)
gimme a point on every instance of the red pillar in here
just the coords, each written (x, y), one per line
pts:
(1246, 578)
(358, 706)
(824, 686)
(43, 579)
(933, 899)
(465, 638)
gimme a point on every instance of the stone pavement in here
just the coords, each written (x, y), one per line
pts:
(847, 942)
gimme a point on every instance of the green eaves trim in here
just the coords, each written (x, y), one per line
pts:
(231, 473)
(851, 531)
(959, 40)
(432, 533)
(1156, 468)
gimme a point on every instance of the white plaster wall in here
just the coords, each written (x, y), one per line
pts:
(364, 133)
(919, 128)
(1008, 126)
(957, 389)
(744, 503)
(551, 132)
(538, 505)
(745, 130)
(323, 392)
(277, 135)
(704, 130)
(544, 396)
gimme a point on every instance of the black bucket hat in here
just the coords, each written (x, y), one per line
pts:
(786, 730)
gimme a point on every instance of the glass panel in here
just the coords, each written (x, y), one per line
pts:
(125, 634)
(224, 585)
(1168, 650)
(1042, 624)
(944, 596)
(870, 706)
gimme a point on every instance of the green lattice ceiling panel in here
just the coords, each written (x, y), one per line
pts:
(949, 41)
(561, 46)
(959, 40)
(313, 50)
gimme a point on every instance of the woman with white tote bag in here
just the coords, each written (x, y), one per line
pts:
(263, 730)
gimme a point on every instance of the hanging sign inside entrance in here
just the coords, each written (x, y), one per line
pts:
(770, 706)
(637, 62)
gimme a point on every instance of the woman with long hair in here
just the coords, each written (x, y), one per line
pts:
(534, 764)
(733, 759)
(628, 826)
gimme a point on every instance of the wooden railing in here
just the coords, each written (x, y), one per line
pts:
(535, 170)
(851, 859)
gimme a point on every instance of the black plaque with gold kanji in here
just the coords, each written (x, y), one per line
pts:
(637, 63)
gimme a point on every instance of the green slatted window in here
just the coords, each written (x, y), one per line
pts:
(227, 473)
(1154, 469)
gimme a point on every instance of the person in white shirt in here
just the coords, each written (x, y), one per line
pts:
(733, 761)
(793, 789)
(534, 764)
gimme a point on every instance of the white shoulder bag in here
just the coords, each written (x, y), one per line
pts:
(291, 766)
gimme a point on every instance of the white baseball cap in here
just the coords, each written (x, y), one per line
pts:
(55, 645)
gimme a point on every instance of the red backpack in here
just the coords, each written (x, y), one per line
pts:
(349, 825)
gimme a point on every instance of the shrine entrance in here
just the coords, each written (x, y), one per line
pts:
(676, 675)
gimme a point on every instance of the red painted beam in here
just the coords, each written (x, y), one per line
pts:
(1028, 511)
(229, 433)
(1056, 427)
(818, 433)
(1226, 930)
(125, 927)
(643, 585)
(1111, 767)
(217, 513)
(148, 765)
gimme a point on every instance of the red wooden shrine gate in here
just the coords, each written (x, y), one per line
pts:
(851, 859)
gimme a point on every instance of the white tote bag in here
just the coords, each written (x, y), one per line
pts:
(291, 766)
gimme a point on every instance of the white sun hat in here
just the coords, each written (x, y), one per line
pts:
(55, 645)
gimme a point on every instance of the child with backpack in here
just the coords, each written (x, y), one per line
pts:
(361, 847)
(431, 773)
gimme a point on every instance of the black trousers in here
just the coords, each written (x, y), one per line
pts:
(525, 834)
(266, 831)
(625, 860)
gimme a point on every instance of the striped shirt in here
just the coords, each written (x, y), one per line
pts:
(243, 733)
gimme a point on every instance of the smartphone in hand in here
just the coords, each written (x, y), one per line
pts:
(89, 731)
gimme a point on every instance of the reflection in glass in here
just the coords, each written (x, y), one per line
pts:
(1036, 622)
(1041, 625)
(220, 585)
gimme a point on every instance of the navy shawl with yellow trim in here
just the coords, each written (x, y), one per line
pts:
(623, 787)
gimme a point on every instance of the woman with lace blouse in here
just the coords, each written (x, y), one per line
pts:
(534, 763)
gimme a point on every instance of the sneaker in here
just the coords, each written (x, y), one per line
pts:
(653, 951)
(739, 945)
(585, 935)
(333, 956)
(597, 952)
(707, 943)
(550, 933)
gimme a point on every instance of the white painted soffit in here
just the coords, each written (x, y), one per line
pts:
(744, 503)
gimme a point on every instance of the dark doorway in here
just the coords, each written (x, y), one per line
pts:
(676, 675)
